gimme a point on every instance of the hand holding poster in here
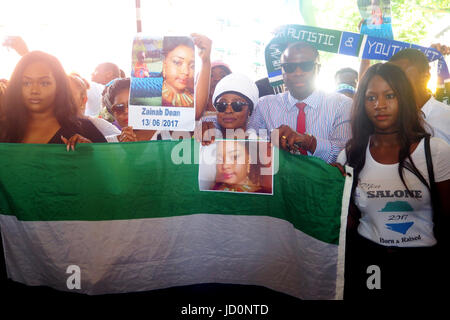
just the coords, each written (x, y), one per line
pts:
(162, 84)
(376, 16)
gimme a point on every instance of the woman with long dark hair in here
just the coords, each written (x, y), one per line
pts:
(396, 228)
(39, 106)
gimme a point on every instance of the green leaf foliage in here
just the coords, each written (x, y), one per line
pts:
(410, 18)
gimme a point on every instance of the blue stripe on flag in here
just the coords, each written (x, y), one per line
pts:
(275, 73)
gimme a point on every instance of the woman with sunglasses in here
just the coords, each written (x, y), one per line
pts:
(397, 221)
(115, 99)
(39, 106)
(234, 98)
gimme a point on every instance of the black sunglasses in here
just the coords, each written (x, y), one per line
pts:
(237, 106)
(290, 67)
(119, 108)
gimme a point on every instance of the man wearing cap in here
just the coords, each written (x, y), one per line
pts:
(308, 120)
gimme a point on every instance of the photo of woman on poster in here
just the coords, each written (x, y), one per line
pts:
(178, 72)
(239, 167)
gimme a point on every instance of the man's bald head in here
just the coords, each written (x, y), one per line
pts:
(105, 72)
(300, 46)
(300, 65)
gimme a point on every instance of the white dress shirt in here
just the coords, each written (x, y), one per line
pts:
(437, 115)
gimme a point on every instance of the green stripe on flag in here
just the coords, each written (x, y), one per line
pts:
(139, 180)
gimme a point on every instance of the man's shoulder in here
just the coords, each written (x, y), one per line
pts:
(277, 96)
(337, 97)
(331, 100)
(318, 96)
(434, 106)
(272, 98)
(96, 87)
(437, 116)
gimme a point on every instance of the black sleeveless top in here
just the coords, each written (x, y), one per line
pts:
(88, 130)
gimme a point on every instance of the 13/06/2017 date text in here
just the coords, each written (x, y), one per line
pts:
(160, 122)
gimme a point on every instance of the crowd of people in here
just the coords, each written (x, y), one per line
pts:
(382, 122)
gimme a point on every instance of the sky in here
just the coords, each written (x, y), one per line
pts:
(84, 33)
(80, 33)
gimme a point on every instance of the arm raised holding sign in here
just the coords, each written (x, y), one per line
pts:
(445, 50)
(16, 43)
(204, 44)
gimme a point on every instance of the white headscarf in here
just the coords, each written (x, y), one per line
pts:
(237, 83)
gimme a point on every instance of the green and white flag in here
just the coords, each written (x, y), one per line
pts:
(130, 217)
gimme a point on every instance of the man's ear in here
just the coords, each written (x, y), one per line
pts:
(108, 76)
(426, 76)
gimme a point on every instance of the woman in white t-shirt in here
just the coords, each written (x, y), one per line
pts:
(391, 192)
